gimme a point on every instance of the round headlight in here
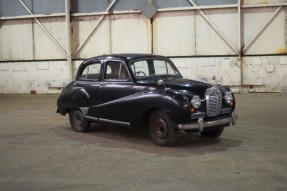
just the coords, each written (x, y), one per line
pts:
(228, 97)
(196, 102)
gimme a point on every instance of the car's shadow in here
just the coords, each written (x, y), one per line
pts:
(121, 137)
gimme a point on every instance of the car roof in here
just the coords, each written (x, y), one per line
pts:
(128, 57)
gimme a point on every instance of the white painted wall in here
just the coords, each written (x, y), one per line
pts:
(16, 42)
(99, 42)
(269, 73)
(129, 33)
(217, 70)
(24, 77)
(254, 2)
(208, 41)
(174, 33)
(44, 48)
(260, 74)
(272, 39)
(177, 33)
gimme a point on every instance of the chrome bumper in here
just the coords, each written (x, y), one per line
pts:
(200, 125)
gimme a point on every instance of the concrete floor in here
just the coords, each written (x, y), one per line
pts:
(39, 151)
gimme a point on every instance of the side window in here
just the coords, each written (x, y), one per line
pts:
(116, 71)
(140, 68)
(91, 72)
(163, 67)
(160, 67)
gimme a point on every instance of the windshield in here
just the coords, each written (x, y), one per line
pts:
(154, 68)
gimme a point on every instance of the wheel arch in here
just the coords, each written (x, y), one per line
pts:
(146, 115)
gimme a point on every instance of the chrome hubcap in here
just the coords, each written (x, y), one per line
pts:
(78, 118)
(160, 128)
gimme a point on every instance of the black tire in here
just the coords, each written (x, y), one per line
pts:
(161, 129)
(77, 121)
(214, 133)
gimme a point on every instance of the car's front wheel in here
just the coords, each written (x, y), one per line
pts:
(78, 122)
(161, 129)
(214, 133)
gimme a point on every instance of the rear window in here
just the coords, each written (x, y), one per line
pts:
(91, 72)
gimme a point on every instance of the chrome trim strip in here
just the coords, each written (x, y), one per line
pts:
(197, 115)
(108, 121)
(92, 118)
(116, 122)
(200, 125)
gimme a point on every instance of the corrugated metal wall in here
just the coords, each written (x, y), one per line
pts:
(215, 41)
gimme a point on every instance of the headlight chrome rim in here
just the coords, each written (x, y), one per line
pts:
(195, 102)
(228, 97)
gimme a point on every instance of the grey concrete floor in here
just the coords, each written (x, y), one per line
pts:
(39, 151)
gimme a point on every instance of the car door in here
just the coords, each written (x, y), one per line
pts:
(116, 88)
(89, 82)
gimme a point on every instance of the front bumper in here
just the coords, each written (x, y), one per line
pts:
(200, 125)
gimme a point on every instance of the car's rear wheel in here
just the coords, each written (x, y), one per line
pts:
(78, 122)
(161, 129)
(214, 133)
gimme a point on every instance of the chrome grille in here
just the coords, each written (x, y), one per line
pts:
(213, 102)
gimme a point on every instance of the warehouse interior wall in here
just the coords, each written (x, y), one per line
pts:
(241, 44)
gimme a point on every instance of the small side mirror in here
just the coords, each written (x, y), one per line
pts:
(161, 83)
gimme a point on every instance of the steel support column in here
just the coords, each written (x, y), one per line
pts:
(68, 30)
(150, 33)
(240, 61)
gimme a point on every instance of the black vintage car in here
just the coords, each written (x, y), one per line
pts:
(145, 91)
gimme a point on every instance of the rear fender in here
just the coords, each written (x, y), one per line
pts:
(72, 98)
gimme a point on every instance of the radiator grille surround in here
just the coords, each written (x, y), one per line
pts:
(213, 102)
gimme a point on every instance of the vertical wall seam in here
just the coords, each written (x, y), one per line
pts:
(110, 17)
(194, 26)
(33, 40)
(286, 28)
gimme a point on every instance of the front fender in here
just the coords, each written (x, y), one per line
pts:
(144, 103)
